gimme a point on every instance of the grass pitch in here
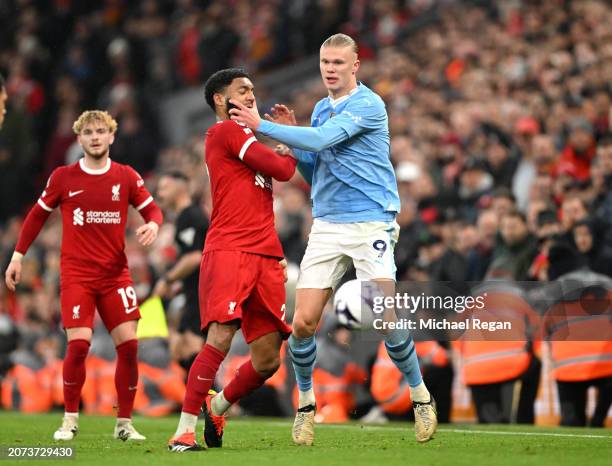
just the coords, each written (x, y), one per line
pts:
(254, 441)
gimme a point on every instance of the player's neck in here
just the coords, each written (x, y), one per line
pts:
(95, 164)
(343, 92)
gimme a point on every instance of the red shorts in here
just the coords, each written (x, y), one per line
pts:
(241, 286)
(115, 300)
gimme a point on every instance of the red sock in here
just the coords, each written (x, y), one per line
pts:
(126, 376)
(246, 380)
(201, 377)
(74, 373)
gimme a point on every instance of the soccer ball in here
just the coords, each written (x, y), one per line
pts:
(353, 303)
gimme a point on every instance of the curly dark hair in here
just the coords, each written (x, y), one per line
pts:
(219, 81)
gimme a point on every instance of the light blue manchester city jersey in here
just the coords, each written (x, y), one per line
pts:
(347, 150)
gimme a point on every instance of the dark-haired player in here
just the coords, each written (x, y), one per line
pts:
(191, 225)
(241, 275)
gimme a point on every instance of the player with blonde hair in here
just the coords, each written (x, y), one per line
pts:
(94, 195)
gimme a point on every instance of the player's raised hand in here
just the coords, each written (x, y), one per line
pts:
(281, 114)
(245, 115)
(147, 233)
(13, 274)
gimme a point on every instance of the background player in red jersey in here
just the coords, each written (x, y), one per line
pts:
(94, 195)
(241, 274)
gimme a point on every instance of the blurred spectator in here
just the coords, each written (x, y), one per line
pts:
(480, 255)
(3, 98)
(592, 246)
(577, 155)
(515, 250)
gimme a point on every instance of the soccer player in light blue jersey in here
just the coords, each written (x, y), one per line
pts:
(345, 154)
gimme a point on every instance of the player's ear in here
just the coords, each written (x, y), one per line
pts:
(219, 100)
(356, 66)
(112, 138)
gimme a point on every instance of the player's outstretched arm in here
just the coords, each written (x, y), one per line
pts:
(32, 225)
(283, 115)
(264, 160)
(305, 138)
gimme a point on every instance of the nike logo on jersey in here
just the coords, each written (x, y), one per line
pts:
(130, 310)
(74, 193)
(132, 388)
(203, 379)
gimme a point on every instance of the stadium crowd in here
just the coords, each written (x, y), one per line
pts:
(500, 122)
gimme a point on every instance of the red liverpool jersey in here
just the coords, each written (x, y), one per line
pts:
(242, 216)
(94, 206)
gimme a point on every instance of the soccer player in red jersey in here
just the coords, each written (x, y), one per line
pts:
(94, 195)
(241, 275)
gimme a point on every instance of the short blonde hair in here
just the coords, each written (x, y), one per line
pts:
(90, 116)
(341, 40)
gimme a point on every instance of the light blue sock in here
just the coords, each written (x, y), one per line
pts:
(303, 353)
(401, 350)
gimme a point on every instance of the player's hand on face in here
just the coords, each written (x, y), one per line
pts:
(283, 264)
(147, 233)
(245, 115)
(281, 114)
(13, 274)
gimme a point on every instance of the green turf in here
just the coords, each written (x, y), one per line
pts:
(251, 441)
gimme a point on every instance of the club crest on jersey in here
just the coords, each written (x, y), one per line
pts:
(115, 189)
(75, 312)
(232, 306)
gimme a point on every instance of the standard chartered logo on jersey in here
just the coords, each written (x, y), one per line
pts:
(80, 217)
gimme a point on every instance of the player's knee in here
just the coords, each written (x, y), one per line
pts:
(220, 336)
(220, 342)
(268, 365)
(303, 326)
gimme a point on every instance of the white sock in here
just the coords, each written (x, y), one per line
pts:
(75, 415)
(306, 398)
(123, 420)
(420, 393)
(187, 423)
(219, 405)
